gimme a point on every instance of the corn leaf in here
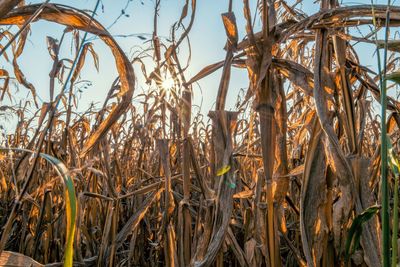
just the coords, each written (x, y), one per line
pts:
(394, 77)
(70, 201)
(354, 234)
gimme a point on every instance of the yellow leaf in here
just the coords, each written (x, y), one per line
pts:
(223, 170)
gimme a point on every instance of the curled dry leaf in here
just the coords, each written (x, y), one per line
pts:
(79, 20)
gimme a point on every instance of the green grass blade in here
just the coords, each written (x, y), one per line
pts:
(71, 206)
(384, 163)
(70, 201)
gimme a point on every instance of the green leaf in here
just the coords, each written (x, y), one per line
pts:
(395, 166)
(230, 184)
(392, 158)
(71, 205)
(70, 201)
(394, 77)
(354, 234)
(223, 170)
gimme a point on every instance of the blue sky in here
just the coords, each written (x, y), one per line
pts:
(207, 41)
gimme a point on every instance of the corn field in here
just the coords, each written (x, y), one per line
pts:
(302, 172)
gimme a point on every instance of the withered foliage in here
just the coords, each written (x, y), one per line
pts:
(276, 182)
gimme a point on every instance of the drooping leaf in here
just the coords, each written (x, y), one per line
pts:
(354, 233)
(394, 77)
(79, 20)
(70, 201)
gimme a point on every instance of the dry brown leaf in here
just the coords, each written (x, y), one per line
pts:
(79, 20)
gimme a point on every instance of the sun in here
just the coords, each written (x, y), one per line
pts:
(168, 83)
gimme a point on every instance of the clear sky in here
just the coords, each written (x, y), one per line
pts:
(207, 41)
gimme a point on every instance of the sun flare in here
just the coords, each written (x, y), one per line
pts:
(167, 83)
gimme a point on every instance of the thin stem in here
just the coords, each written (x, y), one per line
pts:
(384, 183)
(395, 220)
(385, 193)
